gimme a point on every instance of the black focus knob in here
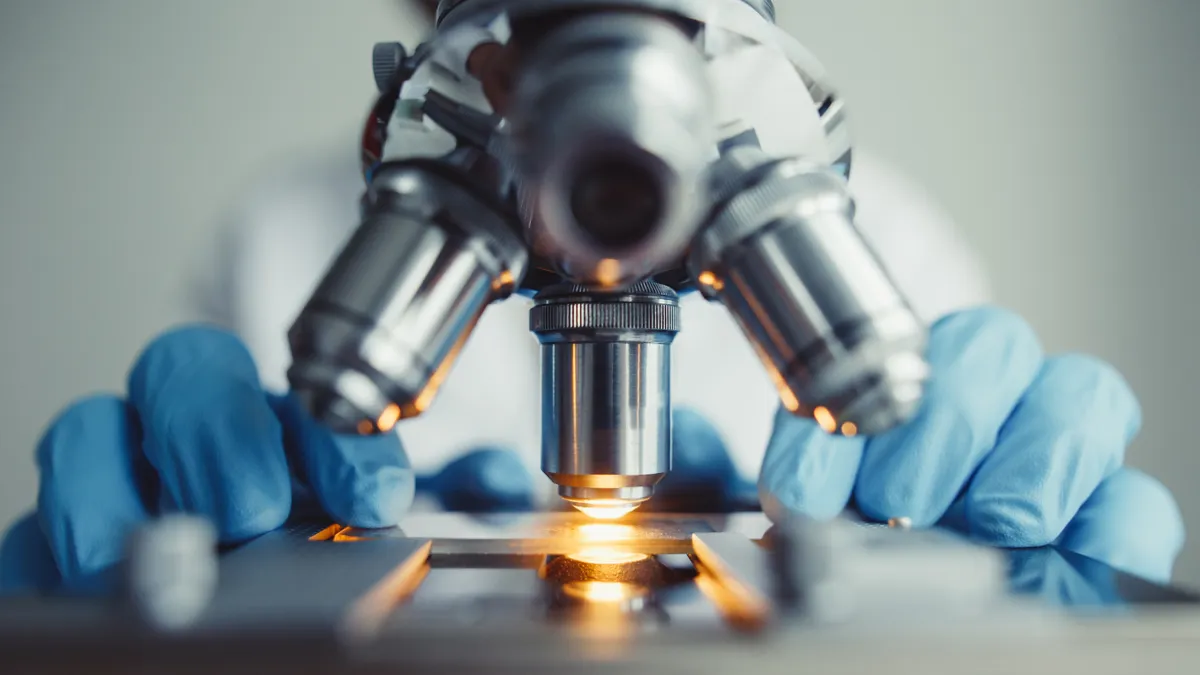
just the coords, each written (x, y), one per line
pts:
(387, 59)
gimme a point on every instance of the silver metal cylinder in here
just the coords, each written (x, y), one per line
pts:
(783, 254)
(384, 326)
(606, 392)
(611, 130)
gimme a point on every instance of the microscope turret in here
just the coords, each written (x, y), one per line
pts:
(596, 156)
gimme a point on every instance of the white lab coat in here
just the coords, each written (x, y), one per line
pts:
(284, 234)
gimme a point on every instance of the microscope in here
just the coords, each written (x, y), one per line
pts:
(594, 155)
(602, 157)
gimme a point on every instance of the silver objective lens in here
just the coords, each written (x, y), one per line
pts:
(782, 253)
(611, 130)
(386, 323)
(606, 402)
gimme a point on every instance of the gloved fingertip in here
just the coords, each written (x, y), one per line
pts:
(26, 561)
(1110, 394)
(360, 481)
(1131, 523)
(1010, 523)
(485, 480)
(698, 450)
(255, 520)
(376, 500)
(182, 349)
(90, 494)
(880, 501)
(806, 470)
(989, 327)
(101, 582)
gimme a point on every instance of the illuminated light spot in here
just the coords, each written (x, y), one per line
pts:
(607, 556)
(602, 591)
(605, 511)
(849, 429)
(825, 419)
(788, 399)
(902, 523)
(365, 427)
(328, 533)
(608, 271)
(388, 419)
(742, 610)
(503, 281)
(709, 279)
(606, 532)
(429, 393)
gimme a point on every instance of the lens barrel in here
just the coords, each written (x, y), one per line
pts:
(384, 326)
(782, 253)
(606, 394)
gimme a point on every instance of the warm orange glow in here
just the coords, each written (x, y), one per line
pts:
(606, 532)
(608, 271)
(787, 398)
(605, 510)
(739, 610)
(365, 427)
(607, 556)
(348, 534)
(327, 533)
(369, 612)
(602, 591)
(849, 429)
(709, 279)
(388, 418)
(503, 281)
(825, 419)
(706, 278)
(425, 398)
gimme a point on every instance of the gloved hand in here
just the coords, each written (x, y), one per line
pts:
(1011, 447)
(199, 434)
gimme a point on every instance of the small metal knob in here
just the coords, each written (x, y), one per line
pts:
(171, 571)
(387, 58)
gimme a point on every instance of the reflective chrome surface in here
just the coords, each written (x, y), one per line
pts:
(789, 108)
(495, 594)
(783, 254)
(611, 129)
(606, 397)
(382, 329)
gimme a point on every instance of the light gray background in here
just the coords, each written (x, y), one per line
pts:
(1061, 135)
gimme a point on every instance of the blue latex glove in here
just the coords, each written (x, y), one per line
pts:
(485, 480)
(199, 434)
(1011, 447)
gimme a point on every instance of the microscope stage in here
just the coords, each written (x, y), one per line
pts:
(655, 591)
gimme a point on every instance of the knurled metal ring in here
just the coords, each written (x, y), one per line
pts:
(646, 306)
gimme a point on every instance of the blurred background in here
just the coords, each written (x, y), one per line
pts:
(1062, 136)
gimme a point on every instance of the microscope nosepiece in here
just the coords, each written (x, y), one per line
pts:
(606, 403)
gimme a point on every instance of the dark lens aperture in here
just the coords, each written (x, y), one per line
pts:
(618, 202)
